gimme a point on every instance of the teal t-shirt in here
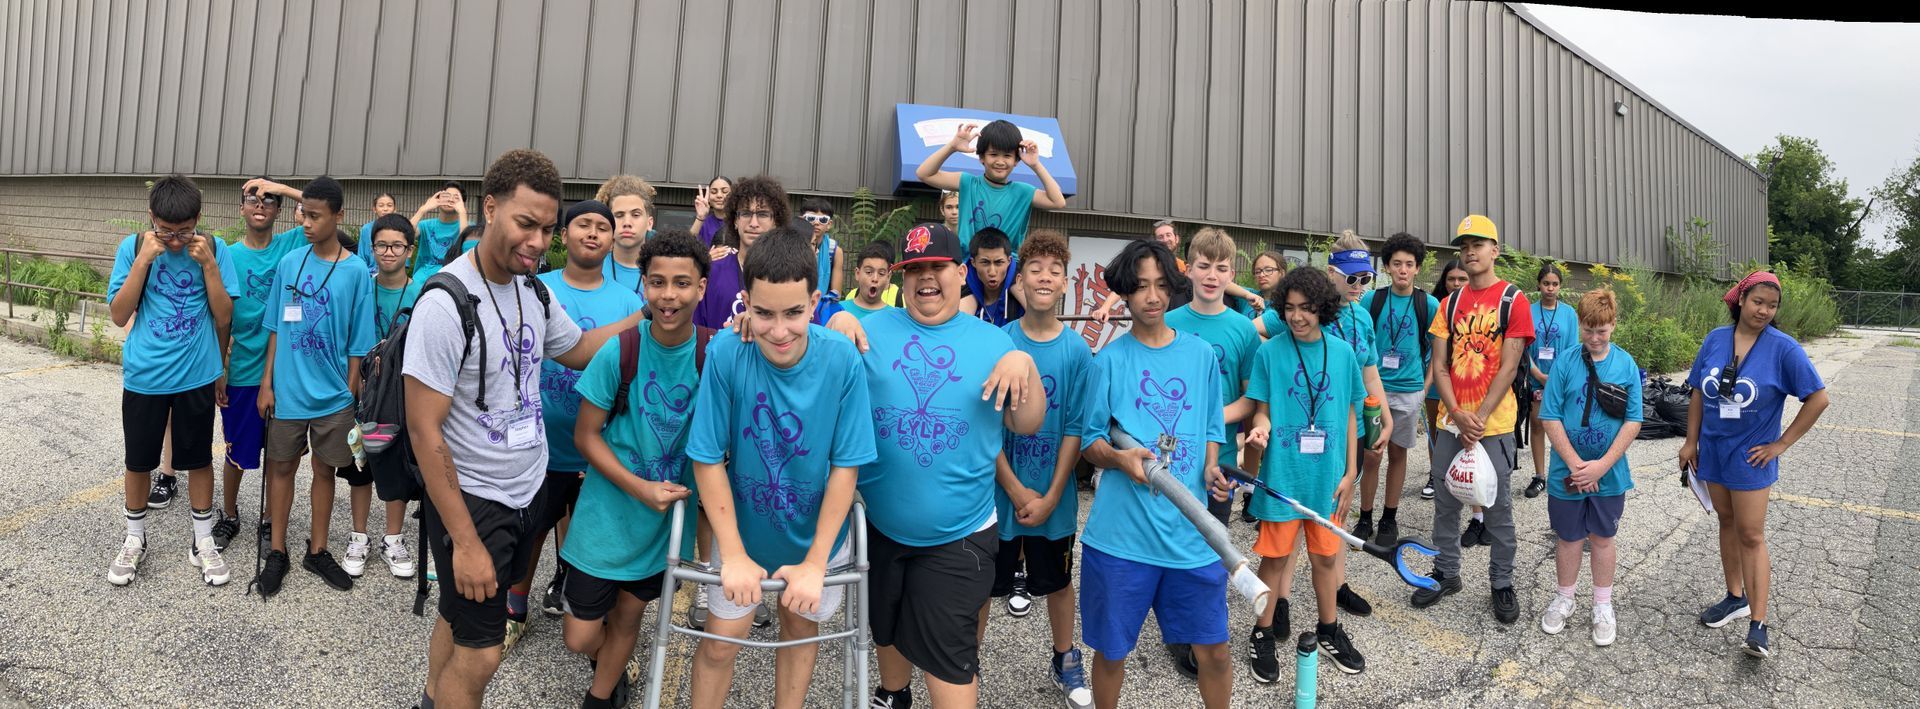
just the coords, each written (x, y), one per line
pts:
(1319, 385)
(432, 242)
(1173, 390)
(388, 304)
(559, 402)
(1397, 337)
(984, 204)
(861, 313)
(1556, 336)
(1064, 363)
(172, 346)
(1354, 326)
(1234, 341)
(253, 270)
(614, 535)
(310, 353)
(1565, 400)
(781, 433)
(624, 277)
(938, 439)
(365, 251)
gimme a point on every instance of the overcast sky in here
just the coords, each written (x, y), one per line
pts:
(1854, 87)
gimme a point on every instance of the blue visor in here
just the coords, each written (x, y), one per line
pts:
(1352, 262)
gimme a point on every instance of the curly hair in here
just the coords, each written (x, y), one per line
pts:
(1402, 242)
(521, 167)
(1046, 242)
(1313, 285)
(626, 186)
(1599, 307)
(759, 188)
(674, 243)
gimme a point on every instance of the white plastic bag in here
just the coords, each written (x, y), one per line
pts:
(1471, 477)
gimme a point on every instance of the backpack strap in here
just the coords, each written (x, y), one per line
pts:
(467, 306)
(629, 368)
(1376, 305)
(539, 288)
(1424, 316)
(1593, 387)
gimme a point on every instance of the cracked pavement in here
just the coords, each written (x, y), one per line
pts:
(1840, 529)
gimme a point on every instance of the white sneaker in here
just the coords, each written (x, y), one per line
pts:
(355, 562)
(206, 556)
(393, 550)
(127, 563)
(697, 617)
(1558, 611)
(1604, 625)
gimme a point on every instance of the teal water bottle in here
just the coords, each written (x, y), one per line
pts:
(1371, 422)
(1306, 670)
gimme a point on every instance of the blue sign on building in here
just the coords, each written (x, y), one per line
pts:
(920, 130)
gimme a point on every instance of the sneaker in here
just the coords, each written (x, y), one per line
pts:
(224, 531)
(1388, 534)
(1426, 491)
(1071, 679)
(273, 573)
(1506, 605)
(1262, 656)
(1475, 534)
(127, 563)
(206, 557)
(883, 699)
(321, 563)
(763, 616)
(1449, 585)
(1246, 511)
(1019, 604)
(1604, 626)
(1757, 641)
(1558, 611)
(697, 617)
(1339, 648)
(1184, 660)
(1726, 611)
(393, 550)
(164, 488)
(516, 629)
(553, 602)
(1364, 530)
(356, 561)
(1535, 487)
(1352, 603)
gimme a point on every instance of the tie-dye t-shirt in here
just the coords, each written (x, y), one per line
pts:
(1064, 363)
(171, 346)
(938, 439)
(334, 304)
(253, 269)
(781, 432)
(1318, 384)
(560, 404)
(1476, 355)
(1172, 390)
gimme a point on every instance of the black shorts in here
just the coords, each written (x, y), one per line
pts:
(560, 490)
(355, 475)
(926, 600)
(143, 424)
(507, 535)
(590, 597)
(1049, 565)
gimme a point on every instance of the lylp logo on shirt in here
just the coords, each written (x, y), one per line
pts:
(179, 289)
(308, 336)
(776, 436)
(925, 430)
(1166, 400)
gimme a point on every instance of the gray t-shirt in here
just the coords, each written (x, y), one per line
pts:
(501, 453)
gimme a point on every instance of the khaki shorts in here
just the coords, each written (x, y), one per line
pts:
(1404, 407)
(287, 439)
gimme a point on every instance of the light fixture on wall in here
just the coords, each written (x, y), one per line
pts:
(1620, 109)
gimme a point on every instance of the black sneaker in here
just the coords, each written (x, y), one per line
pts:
(1246, 511)
(883, 699)
(553, 603)
(1184, 661)
(1449, 585)
(1506, 606)
(1335, 644)
(1389, 533)
(1474, 534)
(274, 573)
(321, 563)
(1262, 657)
(1535, 487)
(224, 531)
(164, 488)
(1352, 603)
(1364, 529)
(1426, 491)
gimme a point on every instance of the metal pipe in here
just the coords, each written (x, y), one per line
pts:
(1241, 573)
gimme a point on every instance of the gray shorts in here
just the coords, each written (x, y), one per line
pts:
(1405, 407)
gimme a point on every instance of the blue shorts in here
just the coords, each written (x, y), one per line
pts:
(242, 427)
(1115, 595)
(1595, 515)
(1727, 466)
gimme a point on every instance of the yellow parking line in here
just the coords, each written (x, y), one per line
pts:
(1847, 506)
(1875, 431)
(48, 368)
(17, 520)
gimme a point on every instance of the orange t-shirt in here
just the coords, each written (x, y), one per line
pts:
(1476, 356)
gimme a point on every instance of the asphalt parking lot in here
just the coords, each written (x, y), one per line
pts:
(1841, 529)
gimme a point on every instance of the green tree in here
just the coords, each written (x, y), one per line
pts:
(1808, 209)
(1899, 199)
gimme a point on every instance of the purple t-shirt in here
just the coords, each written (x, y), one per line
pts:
(710, 228)
(722, 301)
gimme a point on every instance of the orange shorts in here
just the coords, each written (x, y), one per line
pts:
(1278, 539)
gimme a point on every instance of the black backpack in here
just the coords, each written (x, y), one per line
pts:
(1422, 317)
(381, 412)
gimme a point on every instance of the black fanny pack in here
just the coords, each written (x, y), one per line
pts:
(1611, 397)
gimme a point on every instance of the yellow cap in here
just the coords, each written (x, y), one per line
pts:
(1476, 225)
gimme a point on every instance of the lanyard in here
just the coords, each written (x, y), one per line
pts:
(398, 298)
(513, 340)
(295, 285)
(1313, 394)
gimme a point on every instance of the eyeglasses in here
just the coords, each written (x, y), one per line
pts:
(180, 235)
(762, 215)
(1265, 271)
(1360, 279)
(392, 248)
(817, 219)
(254, 200)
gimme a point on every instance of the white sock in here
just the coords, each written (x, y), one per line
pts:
(137, 523)
(202, 524)
(1480, 517)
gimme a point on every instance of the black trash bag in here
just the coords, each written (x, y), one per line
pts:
(1663, 408)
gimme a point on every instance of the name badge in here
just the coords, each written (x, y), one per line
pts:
(522, 429)
(1546, 353)
(1391, 361)
(290, 314)
(1313, 441)
(1729, 410)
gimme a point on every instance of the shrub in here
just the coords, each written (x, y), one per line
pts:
(1659, 344)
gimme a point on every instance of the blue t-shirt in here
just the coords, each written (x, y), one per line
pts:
(559, 402)
(1174, 390)
(1242, 306)
(1399, 332)
(1774, 369)
(859, 312)
(1353, 326)
(434, 239)
(1556, 336)
(624, 277)
(786, 429)
(614, 535)
(938, 440)
(388, 304)
(1317, 385)
(823, 263)
(984, 204)
(1565, 400)
(365, 252)
(1064, 363)
(253, 272)
(172, 346)
(1234, 341)
(335, 303)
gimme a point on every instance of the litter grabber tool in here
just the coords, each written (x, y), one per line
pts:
(1242, 576)
(1390, 554)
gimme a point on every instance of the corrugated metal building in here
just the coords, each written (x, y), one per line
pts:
(1274, 119)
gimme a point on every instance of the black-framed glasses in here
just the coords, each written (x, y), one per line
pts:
(392, 248)
(817, 218)
(173, 235)
(1265, 271)
(1361, 279)
(254, 200)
